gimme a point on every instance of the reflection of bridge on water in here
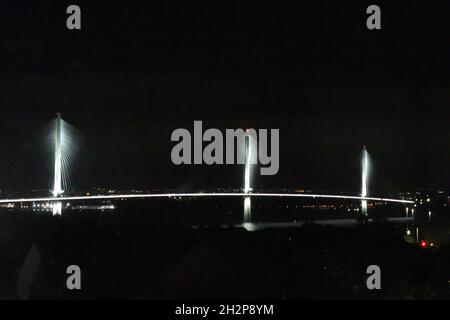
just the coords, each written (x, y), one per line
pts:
(61, 160)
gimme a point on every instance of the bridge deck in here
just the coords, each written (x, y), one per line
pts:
(198, 195)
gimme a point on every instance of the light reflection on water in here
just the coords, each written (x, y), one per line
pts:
(255, 226)
(247, 209)
(424, 232)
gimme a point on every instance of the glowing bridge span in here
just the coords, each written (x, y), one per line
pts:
(62, 147)
(201, 194)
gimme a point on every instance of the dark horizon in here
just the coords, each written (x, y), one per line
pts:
(131, 76)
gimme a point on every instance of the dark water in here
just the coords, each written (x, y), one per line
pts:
(417, 224)
(203, 249)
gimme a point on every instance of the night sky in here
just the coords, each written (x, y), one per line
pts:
(136, 72)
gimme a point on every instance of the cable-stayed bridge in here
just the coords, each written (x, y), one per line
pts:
(202, 194)
(60, 168)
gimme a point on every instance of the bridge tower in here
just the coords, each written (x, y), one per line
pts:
(364, 182)
(247, 172)
(57, 180)
(249, 160)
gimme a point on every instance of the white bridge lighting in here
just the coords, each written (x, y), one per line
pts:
(247, 170)
(200, 195)
(250, 159)
(365, 179)
(64, 146)
(57, 180)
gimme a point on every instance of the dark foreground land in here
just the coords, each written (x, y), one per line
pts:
(132, 259)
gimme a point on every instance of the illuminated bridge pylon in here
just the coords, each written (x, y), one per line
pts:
(57, 178)
(365, 180)
(250, 161)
